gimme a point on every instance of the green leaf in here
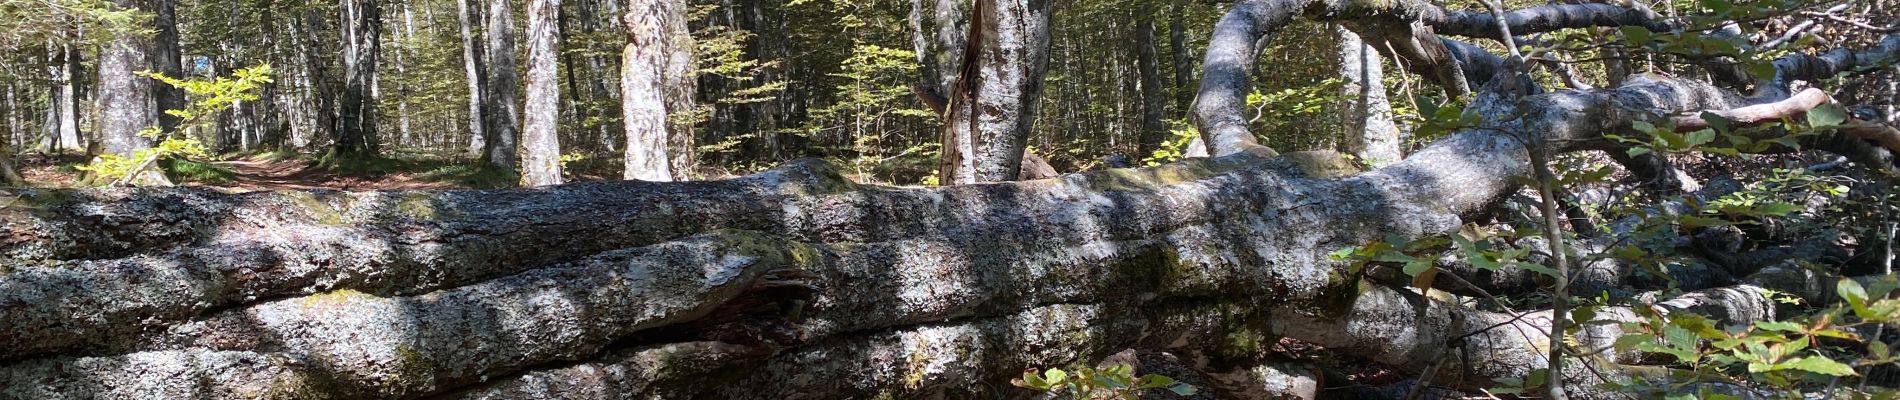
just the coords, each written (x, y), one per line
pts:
(1183, 389)
(1852, 292)
(1821, 365)
(1716, 121)
(1782, 326)
(1636, 35)
(1777, 208)
(1827, 115)
(1055, 376)
(1637, 151)
(1417, 266)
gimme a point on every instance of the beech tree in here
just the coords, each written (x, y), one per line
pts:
(998, 71)
(541, 148)
(654, 63)
(501, 94)
(362, 29)
(126, 100)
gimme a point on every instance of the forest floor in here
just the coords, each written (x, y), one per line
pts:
(259, 173)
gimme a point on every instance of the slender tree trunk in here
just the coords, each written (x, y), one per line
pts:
(8, 174)
(68, 98)
(477, 74)
(541, 148)
(993, 103)
(362, 45)
(502, 90)
(1177, 46)
(126, 103)
(165, 59)
(321, 83)
(642, 90)
(1153, 101)
(408, 33)
(1370, 134)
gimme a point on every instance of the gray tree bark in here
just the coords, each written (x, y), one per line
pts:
(502, 95)
(644, 71)
(67, 98)
(126, 100)
(679, 87)
(994, 98)
(1370, 134)
(362, 28)
(166, 59)
(477, 73)
(1153, 99)
(540, 143)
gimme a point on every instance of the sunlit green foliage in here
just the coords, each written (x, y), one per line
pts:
(1117, 381)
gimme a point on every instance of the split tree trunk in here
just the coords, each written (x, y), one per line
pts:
(993, 100)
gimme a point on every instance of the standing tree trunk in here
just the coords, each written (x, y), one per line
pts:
(541, 148)
(1153, 102)
(1183, 70)
(643, 79)
(362, 32)
(1370, 134)
(126, 103)
(679, 88)
(477, 75)
(68, 99)
(8, 175)
(502, 93)
(165, 59)
(993, 102)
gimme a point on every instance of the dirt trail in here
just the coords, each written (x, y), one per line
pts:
(253, 175)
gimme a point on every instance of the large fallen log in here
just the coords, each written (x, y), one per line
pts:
(797, 278)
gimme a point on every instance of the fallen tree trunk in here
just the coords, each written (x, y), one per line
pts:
(405, 294)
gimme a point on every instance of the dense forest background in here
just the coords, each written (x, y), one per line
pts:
(771, 81)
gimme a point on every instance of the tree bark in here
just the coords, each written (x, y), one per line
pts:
(643, 96)
(679, 87)
(356, 134)
(790, 281)
(166, 59)
(67, 97)
(477, 73)
(993, 102)
(502, 95)
(1370, 134)
(126, 103)
(540, 143)
(1153, 99)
